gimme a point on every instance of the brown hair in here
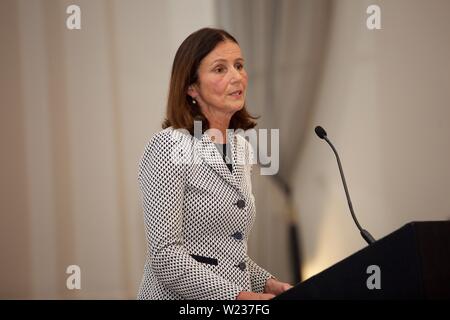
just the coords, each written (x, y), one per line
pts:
(181, 112)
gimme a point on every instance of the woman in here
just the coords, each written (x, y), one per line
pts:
(197, 197)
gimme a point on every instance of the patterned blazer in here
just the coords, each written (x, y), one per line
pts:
(198, 216)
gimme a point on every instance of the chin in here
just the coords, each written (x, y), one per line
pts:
(238, 106)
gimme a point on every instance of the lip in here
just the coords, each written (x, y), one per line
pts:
(237, 93)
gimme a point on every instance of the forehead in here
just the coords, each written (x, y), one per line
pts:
(224, 50)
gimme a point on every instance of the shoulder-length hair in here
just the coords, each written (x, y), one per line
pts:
(181, 112)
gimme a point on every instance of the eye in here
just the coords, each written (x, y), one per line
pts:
(219, 69)
(239, 66)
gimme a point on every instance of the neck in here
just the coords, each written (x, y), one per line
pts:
(218, 121)
(218, 129)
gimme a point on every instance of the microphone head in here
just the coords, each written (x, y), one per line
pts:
(321, 133)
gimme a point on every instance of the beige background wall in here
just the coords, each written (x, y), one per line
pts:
(384, 101)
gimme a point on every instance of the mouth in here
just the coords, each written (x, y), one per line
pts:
(237, 93)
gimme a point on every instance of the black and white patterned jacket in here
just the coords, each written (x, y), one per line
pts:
(198, 216)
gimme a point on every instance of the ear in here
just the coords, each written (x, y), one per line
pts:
(192, 91)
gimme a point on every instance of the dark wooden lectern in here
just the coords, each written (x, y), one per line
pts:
(414, 263)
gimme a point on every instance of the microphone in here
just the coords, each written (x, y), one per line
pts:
(322, 134)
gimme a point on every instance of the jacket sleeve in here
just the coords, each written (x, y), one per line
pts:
(162, 185)
(258, 276)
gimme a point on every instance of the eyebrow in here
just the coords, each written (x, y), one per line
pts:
(223, 60)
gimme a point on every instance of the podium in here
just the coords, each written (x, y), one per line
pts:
(413, 262)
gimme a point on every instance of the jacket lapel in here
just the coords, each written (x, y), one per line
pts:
(239, 159)
(210, 154)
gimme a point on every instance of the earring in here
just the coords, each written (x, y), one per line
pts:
(193, 101)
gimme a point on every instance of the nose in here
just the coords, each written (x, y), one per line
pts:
(235, 75)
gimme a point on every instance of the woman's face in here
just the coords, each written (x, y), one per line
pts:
(222, 81)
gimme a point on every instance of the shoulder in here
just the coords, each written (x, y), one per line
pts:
(165, 145)
(163, 150)
(167, 139)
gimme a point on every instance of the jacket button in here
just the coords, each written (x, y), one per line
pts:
(237, 235)
(241, 266)
(240, 203)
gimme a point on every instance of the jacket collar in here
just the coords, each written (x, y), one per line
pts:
(209, 153)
